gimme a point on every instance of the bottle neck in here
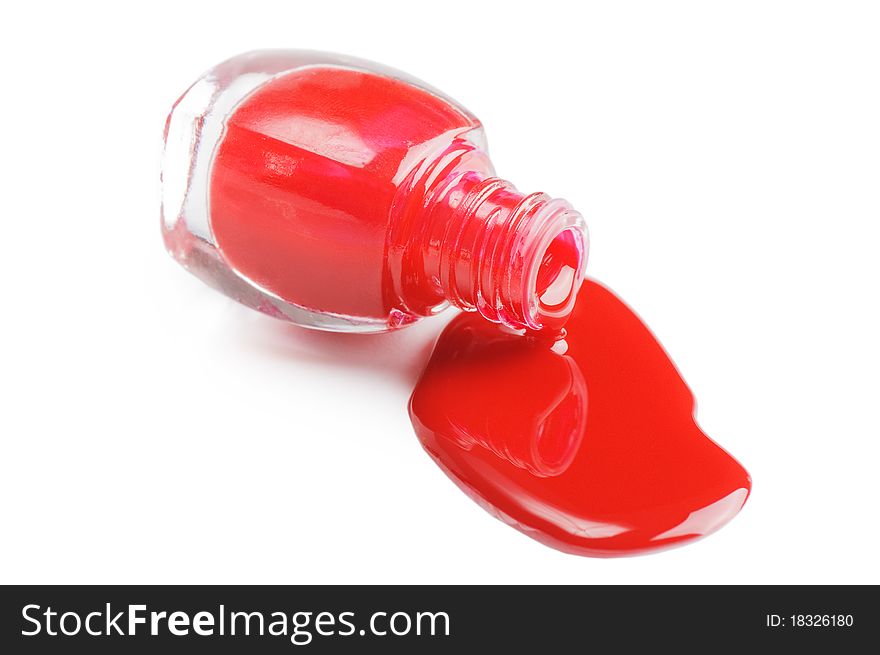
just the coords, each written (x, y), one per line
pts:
(517, 259)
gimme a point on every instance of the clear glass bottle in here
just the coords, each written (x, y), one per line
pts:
(342, 195)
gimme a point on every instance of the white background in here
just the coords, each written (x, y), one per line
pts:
(726, 157)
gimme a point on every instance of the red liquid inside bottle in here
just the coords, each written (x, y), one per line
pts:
(341, 195)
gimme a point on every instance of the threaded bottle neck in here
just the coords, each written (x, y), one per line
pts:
(517, 259)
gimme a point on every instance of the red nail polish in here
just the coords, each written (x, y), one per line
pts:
(588, 444)
(341, 195)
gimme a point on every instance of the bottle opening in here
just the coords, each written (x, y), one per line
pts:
(517, 259)
(559, 271)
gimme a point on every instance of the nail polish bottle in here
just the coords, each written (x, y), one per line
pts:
(342, 195)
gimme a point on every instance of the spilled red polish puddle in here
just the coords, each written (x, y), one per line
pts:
(587, 444)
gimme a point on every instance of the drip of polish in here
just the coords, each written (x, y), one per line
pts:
(587, 444)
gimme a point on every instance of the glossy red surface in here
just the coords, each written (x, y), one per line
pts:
(356, 195)
(587, 443)
(305, 177)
